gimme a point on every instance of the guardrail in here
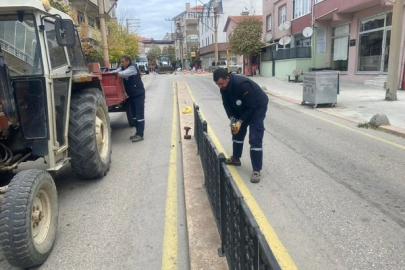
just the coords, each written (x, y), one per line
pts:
(242, 242)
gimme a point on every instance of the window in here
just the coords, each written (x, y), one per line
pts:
(18, 42)
(80, 17)
(282, 15)
(57, 53)
(301, 41)
(301, 7)
(268, 23)
(91, 22)
(374, 43)
(340, 47)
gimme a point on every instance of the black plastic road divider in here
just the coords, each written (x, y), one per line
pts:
(242, 242)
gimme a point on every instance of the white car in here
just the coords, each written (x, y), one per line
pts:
(233, 67)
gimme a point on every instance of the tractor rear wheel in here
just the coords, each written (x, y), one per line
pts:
(89, 134)
(29, 218)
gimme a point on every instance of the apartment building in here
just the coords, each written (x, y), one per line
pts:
(86, 14)
(352, 37)
(225, 8)
(186, 34)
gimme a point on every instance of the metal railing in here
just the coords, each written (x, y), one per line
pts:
(7, 47)
(242, 242)
(292, 53)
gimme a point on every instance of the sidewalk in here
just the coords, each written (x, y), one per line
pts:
(355, 101)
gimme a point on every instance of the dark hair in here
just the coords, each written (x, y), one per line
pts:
(126, 57)
(220, 73)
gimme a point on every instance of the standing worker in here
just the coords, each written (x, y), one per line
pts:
(245, 104)
(131, 77)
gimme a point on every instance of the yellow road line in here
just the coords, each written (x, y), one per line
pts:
(279, 251)
(169, 260)
(351, 129)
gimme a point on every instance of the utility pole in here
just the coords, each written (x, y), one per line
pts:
(104, 44)
(395, 50)
(216, 31)
(179, 37)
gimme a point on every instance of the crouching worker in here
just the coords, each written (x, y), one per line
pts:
(245, 104)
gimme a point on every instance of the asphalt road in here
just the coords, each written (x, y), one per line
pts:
(333, 193)
(118, 222)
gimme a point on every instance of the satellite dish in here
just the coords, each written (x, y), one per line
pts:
(307, 32)
(284, 40)
(268, 37)
(284, 26)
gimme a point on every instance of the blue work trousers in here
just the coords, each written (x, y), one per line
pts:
(256, 133)
(138, 112)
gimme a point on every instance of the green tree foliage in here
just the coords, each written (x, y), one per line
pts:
(153, 54)
(120, 42)
(91, 54)
(171, 51)
(56, 4)
(246, 38)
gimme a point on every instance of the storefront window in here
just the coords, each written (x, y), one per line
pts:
(374, 41)
(340, 47)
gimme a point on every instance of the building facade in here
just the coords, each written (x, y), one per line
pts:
(352, 37)
(225, 8)
(186, 35)
(86, 14)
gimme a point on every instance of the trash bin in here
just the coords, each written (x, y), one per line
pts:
(321, 87)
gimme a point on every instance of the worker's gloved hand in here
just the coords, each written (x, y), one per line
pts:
(236, 127)
(233, 120)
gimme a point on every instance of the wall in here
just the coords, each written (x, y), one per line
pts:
(267, 10)
(266, 68)
(284, 67)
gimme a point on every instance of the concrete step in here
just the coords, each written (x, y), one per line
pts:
(378, 81)
(380, 84)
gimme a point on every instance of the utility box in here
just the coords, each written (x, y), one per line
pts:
(321, 87)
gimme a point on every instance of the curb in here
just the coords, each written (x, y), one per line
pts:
(385, 128)
(203, 236)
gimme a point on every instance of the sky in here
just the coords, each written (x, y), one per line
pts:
(152, 15)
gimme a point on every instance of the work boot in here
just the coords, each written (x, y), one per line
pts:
(233, 161)
(255, 177)
(137, 138)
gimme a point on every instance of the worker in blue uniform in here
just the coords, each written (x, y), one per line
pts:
(245, 104)
(131, 77)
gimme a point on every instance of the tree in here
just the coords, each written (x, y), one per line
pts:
(120, 42)
(171, 51)
(246, 38)
(60, 6)
(153, 54)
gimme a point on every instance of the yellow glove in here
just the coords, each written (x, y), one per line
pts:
(236, 127)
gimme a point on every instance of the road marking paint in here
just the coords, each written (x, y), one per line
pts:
(349, 128)
(170, 243)
(279, 251)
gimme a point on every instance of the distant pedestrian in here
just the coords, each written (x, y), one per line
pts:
(131, 77)
(245, 104)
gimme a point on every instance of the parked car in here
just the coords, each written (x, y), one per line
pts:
(233, 67)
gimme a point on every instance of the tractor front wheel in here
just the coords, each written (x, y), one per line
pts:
(29, 218)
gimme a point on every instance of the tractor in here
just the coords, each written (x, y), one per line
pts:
(164, 65)
(51, 108)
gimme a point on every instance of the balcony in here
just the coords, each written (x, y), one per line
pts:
(293, 53)
(341, 9)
